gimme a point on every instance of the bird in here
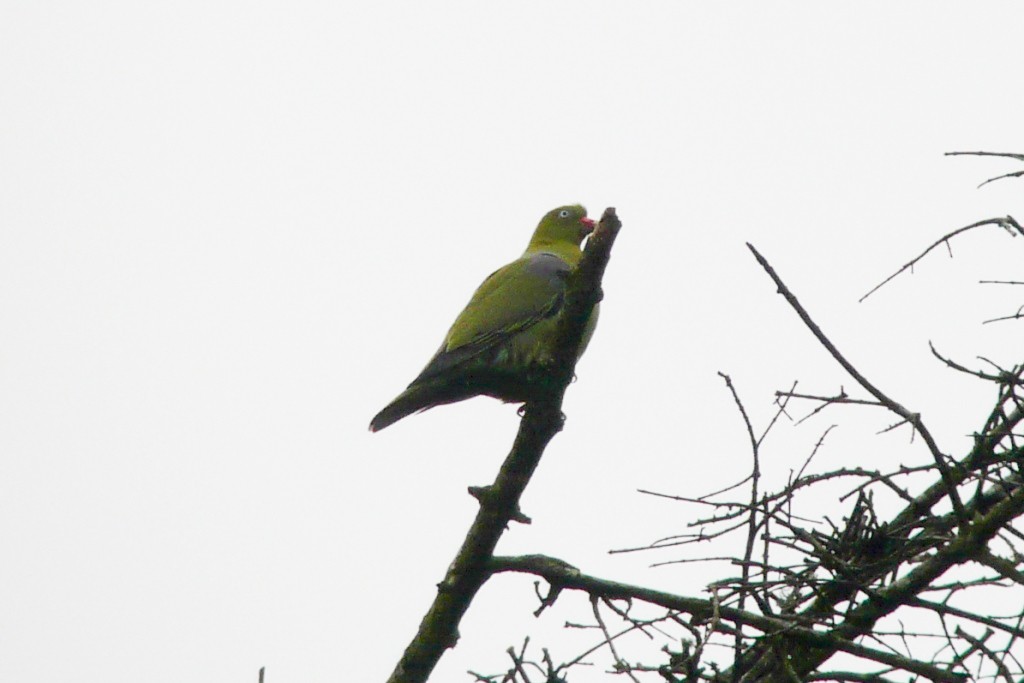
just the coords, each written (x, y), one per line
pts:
(501, 344)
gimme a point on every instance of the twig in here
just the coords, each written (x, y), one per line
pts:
(1014, 174)
(752, 526)
(620, 664)
(1007, 223)
(979, 643)
(960, 368)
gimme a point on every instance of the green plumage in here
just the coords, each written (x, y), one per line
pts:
(502, 341)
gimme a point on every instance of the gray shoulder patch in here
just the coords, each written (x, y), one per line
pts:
(547, 265)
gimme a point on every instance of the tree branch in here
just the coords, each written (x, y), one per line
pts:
(1012, 174)
(1007, 223)
(562, 575)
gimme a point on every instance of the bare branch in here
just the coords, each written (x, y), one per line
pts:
(1007, 223)
(1014, 174)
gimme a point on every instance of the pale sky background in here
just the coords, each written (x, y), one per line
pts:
(230, 232)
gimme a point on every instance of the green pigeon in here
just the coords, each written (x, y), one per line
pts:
(502, 342)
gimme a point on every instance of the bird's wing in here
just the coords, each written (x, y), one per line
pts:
(512, 299)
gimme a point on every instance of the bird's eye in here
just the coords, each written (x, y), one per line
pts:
(564, 213)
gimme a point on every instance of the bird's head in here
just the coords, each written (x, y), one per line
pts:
(563, 227)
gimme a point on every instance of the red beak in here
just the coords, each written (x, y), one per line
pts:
(587, 223)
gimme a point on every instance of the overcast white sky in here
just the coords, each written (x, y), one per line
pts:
(231, 231)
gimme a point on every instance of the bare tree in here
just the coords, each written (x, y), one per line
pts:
(877, 594)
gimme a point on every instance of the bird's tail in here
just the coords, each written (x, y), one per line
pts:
(408, 402)
(419, 397)
(439, 391)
